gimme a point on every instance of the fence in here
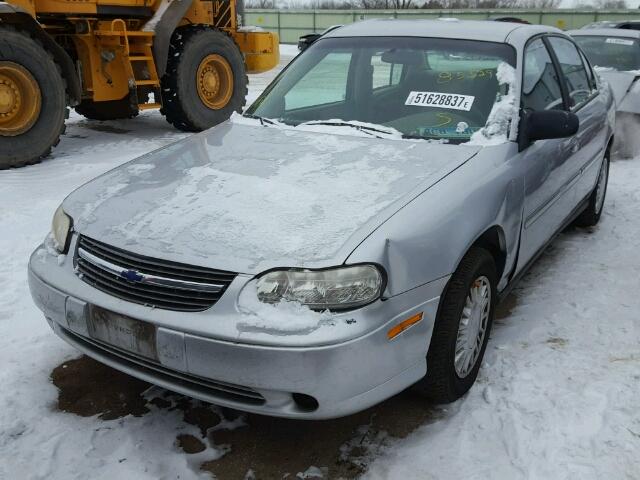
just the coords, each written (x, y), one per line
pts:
(291, 24)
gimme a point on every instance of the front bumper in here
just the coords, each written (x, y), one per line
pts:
(327, 378)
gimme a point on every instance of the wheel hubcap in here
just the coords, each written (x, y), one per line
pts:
(20, 99)
(473, 326)
(215, 82)
(602, 185)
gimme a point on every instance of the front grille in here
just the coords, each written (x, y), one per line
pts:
(209, 390)
(149, 281)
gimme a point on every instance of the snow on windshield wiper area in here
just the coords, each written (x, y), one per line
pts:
(262, 120)
(368, 128)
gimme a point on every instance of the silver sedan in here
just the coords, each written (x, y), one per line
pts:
(348, 236)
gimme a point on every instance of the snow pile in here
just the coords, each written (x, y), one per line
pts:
(50, 248)
(250, 29)
(599, 69)
(311, 473)
(504, 111)
(284, 318)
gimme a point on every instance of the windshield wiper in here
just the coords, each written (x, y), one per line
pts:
(357, 126)
(262, 120)
(442, 139)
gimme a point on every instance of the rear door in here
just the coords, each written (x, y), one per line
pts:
(586, 102)
(548, 198)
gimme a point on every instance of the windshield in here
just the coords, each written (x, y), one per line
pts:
(611, 52)
(422, 87)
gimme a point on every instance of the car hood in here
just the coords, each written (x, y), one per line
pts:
(246, 198)
(619, 81)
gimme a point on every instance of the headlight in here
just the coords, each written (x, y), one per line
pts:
(60, 228)
(337, 288)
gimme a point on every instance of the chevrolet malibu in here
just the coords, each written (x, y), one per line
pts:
(347, 237)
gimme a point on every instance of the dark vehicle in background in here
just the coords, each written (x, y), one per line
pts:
(305, 41)
(510, 20)
(615, 53)
(622, 24)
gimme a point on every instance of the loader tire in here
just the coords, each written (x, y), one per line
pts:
(111, 110)
(33, 102)
(205, 81)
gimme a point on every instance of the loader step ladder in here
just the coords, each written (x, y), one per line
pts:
(137, 49)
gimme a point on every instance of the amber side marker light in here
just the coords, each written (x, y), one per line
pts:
(402, 326)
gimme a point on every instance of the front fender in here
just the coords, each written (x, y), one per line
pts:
(427, 238)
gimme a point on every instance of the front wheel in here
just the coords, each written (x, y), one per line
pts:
(461, 330)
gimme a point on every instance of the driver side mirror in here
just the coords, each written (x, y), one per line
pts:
(545, 125)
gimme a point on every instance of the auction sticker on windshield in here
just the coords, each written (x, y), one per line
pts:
(619, 41)
(441, 100)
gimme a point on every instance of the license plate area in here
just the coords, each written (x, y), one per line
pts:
(122, 332)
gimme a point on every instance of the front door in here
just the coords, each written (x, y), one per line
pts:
(548, 173)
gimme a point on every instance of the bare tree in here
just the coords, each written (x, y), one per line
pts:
(611, 4)
(538, 3)
(402, 4)
(260, 4)
(374, 4)
(331, 5)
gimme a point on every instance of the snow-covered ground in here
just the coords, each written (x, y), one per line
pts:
(558, 397)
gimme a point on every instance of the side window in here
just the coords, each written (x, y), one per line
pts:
(591, 76)
(385, 74)
(324, 83)
(573, 70)
(540, 86)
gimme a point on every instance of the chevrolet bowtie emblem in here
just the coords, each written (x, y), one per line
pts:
(131, 275)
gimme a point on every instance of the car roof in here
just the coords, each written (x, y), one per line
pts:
(604, 32)
(445, 28)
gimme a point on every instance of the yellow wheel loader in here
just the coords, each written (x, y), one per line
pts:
(110, 59)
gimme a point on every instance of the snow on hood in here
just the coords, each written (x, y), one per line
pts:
(246, 198)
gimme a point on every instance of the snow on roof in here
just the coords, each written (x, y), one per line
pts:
(450, 28)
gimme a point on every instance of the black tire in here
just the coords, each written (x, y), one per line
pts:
(181, 103)
(111, 110)
(36, 143)
(593, 212)
(442, 384)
